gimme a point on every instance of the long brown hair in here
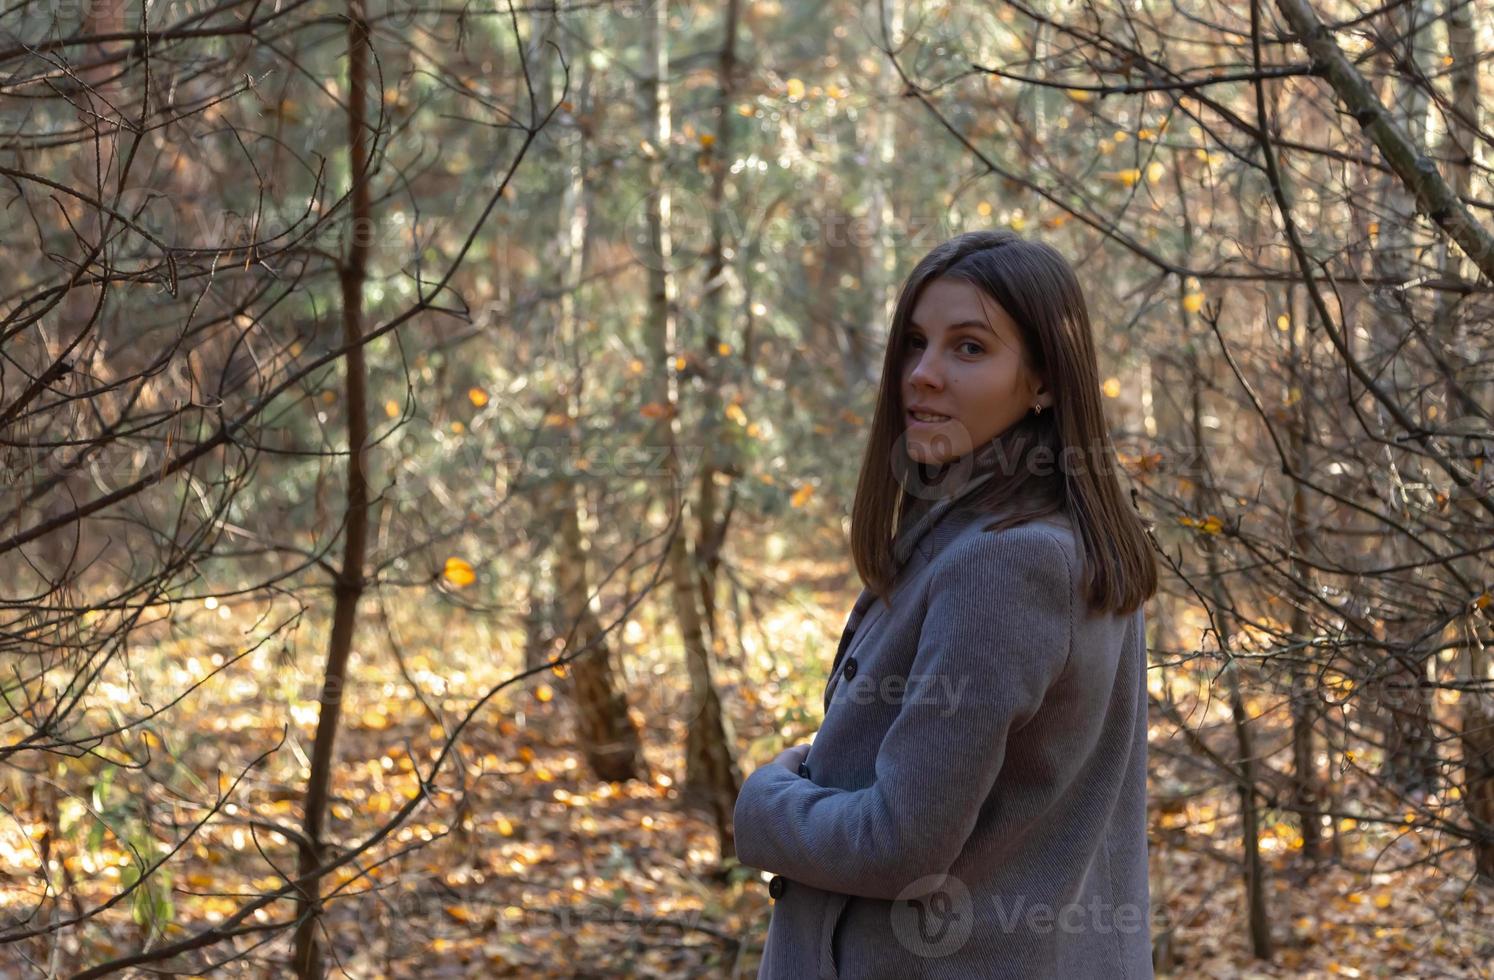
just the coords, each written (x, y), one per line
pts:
(1038, 474)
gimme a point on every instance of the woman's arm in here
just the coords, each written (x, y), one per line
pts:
(994, 640)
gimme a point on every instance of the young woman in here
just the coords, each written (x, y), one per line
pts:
(974, 803)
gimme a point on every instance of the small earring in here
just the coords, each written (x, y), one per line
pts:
(1037, 408)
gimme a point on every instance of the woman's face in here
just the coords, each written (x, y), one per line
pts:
(963, 361)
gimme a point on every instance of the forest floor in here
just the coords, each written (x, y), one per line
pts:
(546, 872)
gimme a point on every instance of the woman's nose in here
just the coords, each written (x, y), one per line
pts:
(925, 371)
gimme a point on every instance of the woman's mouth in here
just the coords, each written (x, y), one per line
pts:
(926, 418)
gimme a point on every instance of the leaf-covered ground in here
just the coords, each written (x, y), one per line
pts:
(536, 870)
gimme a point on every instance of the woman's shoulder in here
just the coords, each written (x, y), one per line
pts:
(999, 531)
(1040, 547)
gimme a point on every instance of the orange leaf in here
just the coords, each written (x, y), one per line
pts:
(458, 572)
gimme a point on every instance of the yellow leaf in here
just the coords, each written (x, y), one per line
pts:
(477, 396)
(635, 366)
(458, 572)
(1382, 900)
(655, 410)
(544, 693)
(1078, 94)
(505, 827)
(680, 363)
(707, 140)
(557, 420)
(801, 496)
(1482, 602)
(1193, 302)
(1126, 177)
(1111, 387)
(835, 91)
(723, 348)
(1209, 525)
(983, 209)
(391, 408)
(795, 89)
(1154, 171)
(460, 913)
(735, 413)
(1283, 323)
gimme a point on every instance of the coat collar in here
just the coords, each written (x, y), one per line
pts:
(926, 523)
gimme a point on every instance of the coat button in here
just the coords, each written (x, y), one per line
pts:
(804, 769)
(850, 668)
(776, 886)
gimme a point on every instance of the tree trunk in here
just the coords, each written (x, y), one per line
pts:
(718, 440)
(713, 776)
(1477, 734)
(1254, 867)
(606, 734)
(881, 267)
(348, 586)
(1410, 761)
(1306, 786)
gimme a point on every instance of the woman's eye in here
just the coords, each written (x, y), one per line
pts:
(916, 343)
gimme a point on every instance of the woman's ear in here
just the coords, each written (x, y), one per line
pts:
(1042, 394)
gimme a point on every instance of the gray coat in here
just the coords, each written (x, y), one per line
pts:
(974, 803)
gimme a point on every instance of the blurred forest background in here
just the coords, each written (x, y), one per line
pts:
(429, 432)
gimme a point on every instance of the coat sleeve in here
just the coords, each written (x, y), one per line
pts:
(995, 638)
